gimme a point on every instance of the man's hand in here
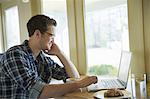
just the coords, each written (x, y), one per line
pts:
(87, 81)
(54, 49)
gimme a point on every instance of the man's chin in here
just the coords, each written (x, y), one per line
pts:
(49, 48)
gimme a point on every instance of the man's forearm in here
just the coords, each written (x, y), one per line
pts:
(55, 90)
(69, 66)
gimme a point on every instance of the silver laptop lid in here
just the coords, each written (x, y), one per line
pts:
(124, 67)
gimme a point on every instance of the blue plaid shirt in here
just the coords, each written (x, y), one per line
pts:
(22, 76)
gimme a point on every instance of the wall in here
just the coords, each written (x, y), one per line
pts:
(35, 7)
(136, 37)
(1, 35)
(146, 18)
(25, 15)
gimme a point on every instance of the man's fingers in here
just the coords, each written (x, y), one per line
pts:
(95, 79)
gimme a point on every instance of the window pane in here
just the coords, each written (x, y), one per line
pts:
(57, 9)
(12, 26)
(106, 35)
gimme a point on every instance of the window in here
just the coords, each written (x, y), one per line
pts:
(1, 36)
(57, 9)
(12, 27)
(106, 27)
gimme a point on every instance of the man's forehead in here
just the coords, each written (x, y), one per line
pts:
(51, 28)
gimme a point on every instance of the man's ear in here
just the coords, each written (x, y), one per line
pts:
(37, 33)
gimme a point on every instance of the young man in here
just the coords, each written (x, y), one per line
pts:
(25, 71)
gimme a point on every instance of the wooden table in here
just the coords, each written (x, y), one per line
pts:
(90, 95)
(80, 95)
(84, 94)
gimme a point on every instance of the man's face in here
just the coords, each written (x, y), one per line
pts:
(48, 38)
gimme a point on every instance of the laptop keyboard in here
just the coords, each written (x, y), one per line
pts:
(105, 84)
(110, 83)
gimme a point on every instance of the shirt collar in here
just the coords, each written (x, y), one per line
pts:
(28, 49)
(26, 44)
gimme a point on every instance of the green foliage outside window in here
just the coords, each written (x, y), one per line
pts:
(103, 69)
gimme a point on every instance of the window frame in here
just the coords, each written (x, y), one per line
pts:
(23, 18)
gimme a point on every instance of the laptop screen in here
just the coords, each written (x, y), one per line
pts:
(124, 66)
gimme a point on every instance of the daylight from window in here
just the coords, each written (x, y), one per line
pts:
(106, 27)
(12, 30)
(57, 9)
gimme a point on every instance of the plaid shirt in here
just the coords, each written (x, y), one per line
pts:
(22, 76)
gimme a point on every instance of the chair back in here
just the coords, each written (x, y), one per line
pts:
(1, 56)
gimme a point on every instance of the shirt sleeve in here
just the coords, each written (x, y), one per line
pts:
(17, 68)
(36, 90)
(58, 72)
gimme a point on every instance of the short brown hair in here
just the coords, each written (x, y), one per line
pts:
(40, 22)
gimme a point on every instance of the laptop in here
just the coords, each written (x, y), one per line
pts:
(119, 82)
